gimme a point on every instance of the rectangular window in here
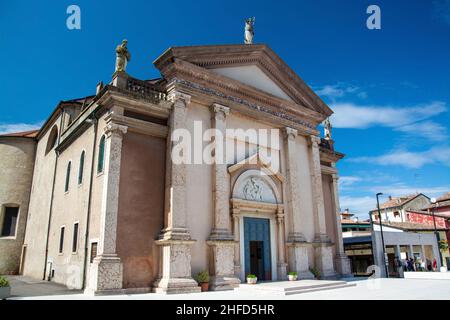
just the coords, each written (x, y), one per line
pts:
(75, 237)
(10, 221)
(61, 240)
(93, 251)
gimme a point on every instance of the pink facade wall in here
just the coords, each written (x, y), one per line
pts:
(141, 208)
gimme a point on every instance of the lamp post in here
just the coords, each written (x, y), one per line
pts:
(382, 238)
(438, 238)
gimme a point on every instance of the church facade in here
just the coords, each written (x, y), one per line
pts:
(111, 209)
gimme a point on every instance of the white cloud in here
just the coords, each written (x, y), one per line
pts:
(358, 205)
(401, 189)
(427, 129)
(349, 115)
(19, 127)
(409, 159)
(347, 181)
(339, 90)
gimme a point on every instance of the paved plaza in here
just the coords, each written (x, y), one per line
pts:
(377, 289)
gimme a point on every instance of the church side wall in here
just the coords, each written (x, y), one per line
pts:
(70, 207)
(38, 212)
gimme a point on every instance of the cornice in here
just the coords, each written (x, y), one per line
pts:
(270, 63)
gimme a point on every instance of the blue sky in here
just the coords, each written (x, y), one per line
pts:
(389, 88)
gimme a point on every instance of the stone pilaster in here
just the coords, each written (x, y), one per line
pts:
(221, 182)
(175, 195)
(106, 269)
(342, 261)
(236, 231)
(281, 264)
(322, 242)
(175, 240)
(293, 188)
(297, 245)
(221, 240)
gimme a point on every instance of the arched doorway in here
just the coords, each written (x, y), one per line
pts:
(257, 210)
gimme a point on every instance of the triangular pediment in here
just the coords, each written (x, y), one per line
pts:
(253, 65)
(252, 75)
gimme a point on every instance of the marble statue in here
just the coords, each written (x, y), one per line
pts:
(249, 33)
(327, 129)
(122, 56)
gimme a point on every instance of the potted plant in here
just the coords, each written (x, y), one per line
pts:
(292, 276)
(203, 280)
(251, 279)
(5, 289)
(315, 272)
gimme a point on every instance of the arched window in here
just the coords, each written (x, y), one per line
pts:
(66, 186)
(81, 168)
(51, 142)
(101, 155)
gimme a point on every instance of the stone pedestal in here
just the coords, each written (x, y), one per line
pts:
(298, 259)
(343, 266)
(323, 253)
(105, 275)
(175, 275)
(222, 267)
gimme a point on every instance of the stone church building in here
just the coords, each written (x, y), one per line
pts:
(103, 206)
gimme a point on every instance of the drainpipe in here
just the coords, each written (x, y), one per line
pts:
(51, 197)
(88, 215)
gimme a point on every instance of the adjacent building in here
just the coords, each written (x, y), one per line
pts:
(17, 156)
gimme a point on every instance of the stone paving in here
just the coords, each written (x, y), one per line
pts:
(377, 289)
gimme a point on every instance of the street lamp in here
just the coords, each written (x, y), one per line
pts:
(382, 238)
(438, 238)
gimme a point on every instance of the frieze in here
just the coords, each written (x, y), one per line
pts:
(210, 91)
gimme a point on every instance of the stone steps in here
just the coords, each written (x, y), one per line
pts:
(294, 287)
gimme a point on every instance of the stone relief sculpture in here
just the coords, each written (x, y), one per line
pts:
(327, 129)
(123, 56)
(253, 190)
(249, 33)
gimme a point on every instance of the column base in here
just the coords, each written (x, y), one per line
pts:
(221, 265)
(175, 234)
(222, 283)
(299, 259)
(106, 274)
(343, 266)
(176, 285)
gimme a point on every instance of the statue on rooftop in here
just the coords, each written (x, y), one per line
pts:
(122, 56)
(327, 129)
(249, 33)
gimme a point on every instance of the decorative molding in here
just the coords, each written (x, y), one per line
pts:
(114, 128)
(177, 96)
(278, 112)
(290, 133)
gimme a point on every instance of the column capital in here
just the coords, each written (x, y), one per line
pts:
(179, 98)
(220, 110)
(290, 133)
(114, 128)
(315, 141)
